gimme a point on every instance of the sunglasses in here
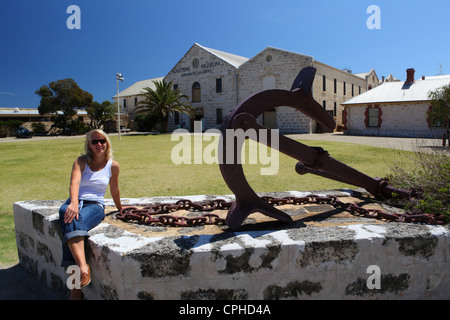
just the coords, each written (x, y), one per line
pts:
(95, 141)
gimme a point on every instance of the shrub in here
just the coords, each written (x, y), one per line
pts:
(145, 122)
(39, 128)
(429, 176)
(7, 127)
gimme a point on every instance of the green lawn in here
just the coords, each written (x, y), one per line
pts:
(40, 170)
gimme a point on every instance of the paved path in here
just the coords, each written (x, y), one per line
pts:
(407, 144)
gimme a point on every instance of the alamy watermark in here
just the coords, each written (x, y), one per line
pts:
(74, 20)
(190, 150)
(374, 21)
(74, 280)
(374, 280)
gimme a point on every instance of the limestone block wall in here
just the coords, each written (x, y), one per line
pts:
(199, 65)
(299, 262)
(397, 119)
(347, 86)
(282, 67)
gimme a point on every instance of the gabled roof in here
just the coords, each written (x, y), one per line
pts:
(400, 91)
(263, 52)
(138, 87)
(230, 58)
(365, 75)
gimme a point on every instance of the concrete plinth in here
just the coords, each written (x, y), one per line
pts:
(324, 254)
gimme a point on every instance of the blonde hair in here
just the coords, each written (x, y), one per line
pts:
(88, 152)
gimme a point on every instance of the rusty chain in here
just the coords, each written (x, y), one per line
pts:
(147, 215)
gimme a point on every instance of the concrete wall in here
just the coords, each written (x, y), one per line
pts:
(299, 262)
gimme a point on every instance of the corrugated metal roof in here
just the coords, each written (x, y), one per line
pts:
(138, 87)
(232, 59)
(17, 111)
(30, 112)
(401, 91)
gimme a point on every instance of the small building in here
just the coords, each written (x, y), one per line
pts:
(31, 115)
(395, 108)
(130, 98)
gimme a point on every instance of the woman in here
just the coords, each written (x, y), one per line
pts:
(85, 209)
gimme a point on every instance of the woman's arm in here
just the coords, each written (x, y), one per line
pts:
(75, 178)
(114, 184)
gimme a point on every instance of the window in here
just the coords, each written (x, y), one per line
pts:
(324, 104)
(335, 86)
(124, 103)
(196, 92)
(177, 118)
(335, 109)
(373, 116)
(353, 90)
(219, 116)
(135, 102)
(219, 85)
(344, 88)
(324, 83)
(175, 86)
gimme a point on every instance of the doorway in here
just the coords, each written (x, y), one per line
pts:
(198, 116)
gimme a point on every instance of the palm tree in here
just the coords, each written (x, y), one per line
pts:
(164, 101)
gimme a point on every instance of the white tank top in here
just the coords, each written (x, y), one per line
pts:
(93, 184)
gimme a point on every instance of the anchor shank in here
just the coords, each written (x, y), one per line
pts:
(317, 158)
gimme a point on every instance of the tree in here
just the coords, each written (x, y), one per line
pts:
(440, 101)
(65, 96)
(100, 114)
(164, 101)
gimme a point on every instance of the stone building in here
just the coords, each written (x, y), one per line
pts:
(395, 109)
(216, 81)
(130, 97)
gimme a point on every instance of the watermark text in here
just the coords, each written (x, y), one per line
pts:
(192, 150)
(374, 20)
(74, 20)
(374, 280)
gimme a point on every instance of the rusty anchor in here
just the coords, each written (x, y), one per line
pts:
(313, 160)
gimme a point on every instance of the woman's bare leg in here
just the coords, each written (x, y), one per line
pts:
(76, 246)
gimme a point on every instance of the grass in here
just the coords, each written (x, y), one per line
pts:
(40, 170)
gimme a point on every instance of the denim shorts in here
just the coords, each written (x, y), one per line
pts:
(90, 215)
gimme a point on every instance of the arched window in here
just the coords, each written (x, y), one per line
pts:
(196, 92)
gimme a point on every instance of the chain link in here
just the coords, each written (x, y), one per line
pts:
(147, 215)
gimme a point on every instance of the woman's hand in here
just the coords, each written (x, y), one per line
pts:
(71, 213)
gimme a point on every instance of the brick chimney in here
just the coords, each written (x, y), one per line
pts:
(410, 75)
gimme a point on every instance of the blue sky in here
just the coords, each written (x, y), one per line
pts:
(145, 38)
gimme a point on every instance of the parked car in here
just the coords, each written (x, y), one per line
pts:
(22, 133)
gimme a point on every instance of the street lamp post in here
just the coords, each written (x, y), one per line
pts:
(119, 76)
